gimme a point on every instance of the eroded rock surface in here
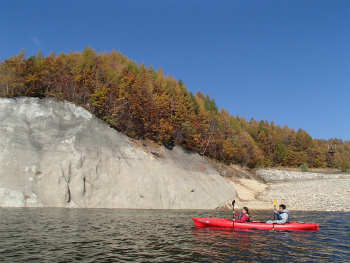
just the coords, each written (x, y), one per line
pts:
(55, 154)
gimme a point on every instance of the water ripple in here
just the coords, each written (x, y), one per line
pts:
(122, 235)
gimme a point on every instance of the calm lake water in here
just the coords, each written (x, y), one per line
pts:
(123, 235)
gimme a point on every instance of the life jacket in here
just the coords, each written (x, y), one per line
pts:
(242, 215)
(284, 211)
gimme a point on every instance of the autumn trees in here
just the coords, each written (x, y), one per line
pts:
(143, 103)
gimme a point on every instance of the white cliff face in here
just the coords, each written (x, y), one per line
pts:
(55, 154)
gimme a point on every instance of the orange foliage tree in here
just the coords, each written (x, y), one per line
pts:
(143, 103)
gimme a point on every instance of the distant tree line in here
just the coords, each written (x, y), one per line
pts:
(141, 102)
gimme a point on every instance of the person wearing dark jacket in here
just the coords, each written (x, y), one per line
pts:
(244, 217)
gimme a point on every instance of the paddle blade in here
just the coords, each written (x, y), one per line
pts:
(275, 202)
(233, 209)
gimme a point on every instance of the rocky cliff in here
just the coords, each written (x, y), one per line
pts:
(55, 154)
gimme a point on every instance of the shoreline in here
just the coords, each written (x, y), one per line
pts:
(299, 191)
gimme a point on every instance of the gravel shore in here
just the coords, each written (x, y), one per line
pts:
(306, 191)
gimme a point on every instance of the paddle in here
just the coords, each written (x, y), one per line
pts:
(274, 214)
(233, 214)
(274, 208)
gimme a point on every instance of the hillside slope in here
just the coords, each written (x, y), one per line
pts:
(56, 154)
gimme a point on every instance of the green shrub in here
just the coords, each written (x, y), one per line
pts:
(304, 167)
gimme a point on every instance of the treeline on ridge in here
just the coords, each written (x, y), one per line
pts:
(141, 102)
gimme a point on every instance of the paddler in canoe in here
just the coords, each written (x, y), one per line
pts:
(244, 217)
(282, 215)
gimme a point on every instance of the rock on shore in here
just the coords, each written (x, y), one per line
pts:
(55, 154)
(307, 191)
(272, 175)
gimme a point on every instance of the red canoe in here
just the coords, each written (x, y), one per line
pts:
(223, 222)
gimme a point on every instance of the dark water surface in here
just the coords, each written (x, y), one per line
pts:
(123, 235)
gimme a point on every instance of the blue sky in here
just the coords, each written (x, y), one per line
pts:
(286, 61)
